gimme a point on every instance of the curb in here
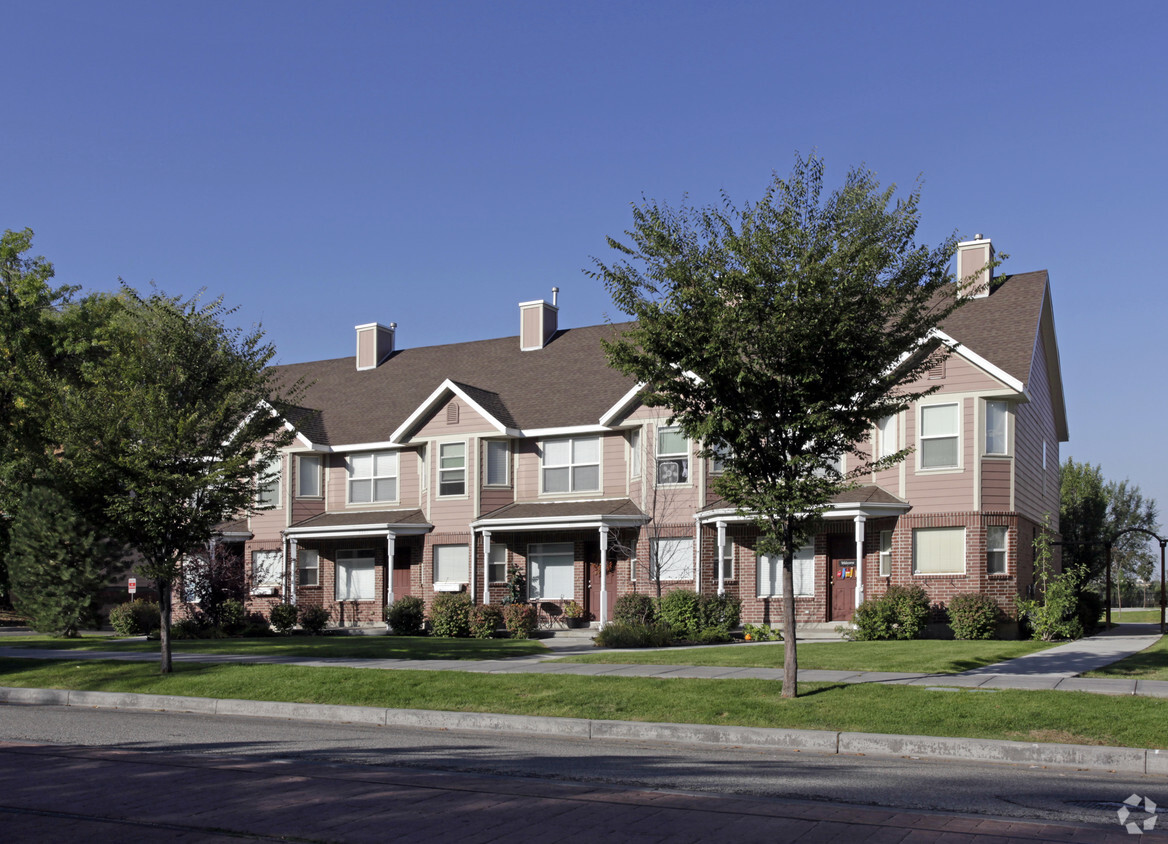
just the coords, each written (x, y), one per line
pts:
(1128, 760)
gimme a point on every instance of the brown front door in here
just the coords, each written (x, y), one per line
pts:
(592, 591)
(841, 561)
(401, 572)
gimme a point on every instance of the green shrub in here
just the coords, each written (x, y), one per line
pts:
(407, 616)
(188, 628)
(761, 633)
(681, 609)
(973, 616)
(1090, 610)
(283, 617)
(1056, 615)
(633, 608)
(520, 619)
(254, 624)
(621, 635)
(485, 619)
(232, 617)
(720, 612)
(314, 619)
(450, 614)
(711, 636)
(900, 613)
(135, 618)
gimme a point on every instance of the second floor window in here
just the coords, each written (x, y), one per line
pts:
(939, 436)
(886, 428)
(452, 469)
(268, 485)
(309, 472)
(995, 434)
(498, 463)
(571, 465)
(672, 456)
(372, 477)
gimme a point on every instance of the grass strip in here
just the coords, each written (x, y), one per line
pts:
(926, 656)
(1149, 664)
(1072, 717)
(318, 647)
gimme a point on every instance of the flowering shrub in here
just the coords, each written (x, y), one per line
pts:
(520, 620)
(973, 616)
(485, 619)
(450, 614)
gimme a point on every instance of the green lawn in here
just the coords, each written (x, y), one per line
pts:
(1017, 715)
(1149, 664)
(321, 647)
(927, 656)
(1135, 616)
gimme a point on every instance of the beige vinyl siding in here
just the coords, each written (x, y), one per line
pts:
(469, 422)
(942, 491)
(995, 483)
(407, 479)
(614, 450)
(1034, 423)
(526, 471)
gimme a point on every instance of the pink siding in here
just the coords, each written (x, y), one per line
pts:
(1034, 423)
(366, 347)
(961, 376)
(469, 422)
(529, 326)
(995, 483)
(526, 471)
(613, 448)
(948, 491)
(336, 479)
(407, 479)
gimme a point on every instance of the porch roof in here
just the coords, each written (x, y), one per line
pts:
(867, 500)
(361, 523)
(563, 515)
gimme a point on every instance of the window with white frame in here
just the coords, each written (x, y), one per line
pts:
(939, 550)
(635, 453)
(194, 578)
(995, 430)
(372, 476)
(770, 573)
(355, 575)
(551, 570)
(266, 569)
(940, 436)
(452, 469)
(497, 561)
(307, 567)
(718, 460)
(498, 463)
(887, 434)
(886, 553)
(672, 456)
(451, 564)
(571, 464)
(726, 561)
(996, 549)
(424, 466)
(268, 484)
(309, 475)
(671, 558)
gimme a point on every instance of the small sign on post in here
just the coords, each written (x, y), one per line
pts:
(133, 585)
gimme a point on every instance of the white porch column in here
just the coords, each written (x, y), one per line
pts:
(721, 554)
(603, 614)
(698, 555)
(860, 559)
(390, 547)
(486, 566)
(293, 571)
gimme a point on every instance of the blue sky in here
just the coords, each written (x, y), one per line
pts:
(328, 164)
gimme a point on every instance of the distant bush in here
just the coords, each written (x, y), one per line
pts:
(485, 619)
(900, 613)
(621, 635)
(1090, 608)
(407, 616)
(720, 612)
(232, 617)
(255, 624)
(681, 610)
(761, 633)
(283, 617)
(520, 619)
(633, 608)
(314, 619)
(135, 618)
(973, 616)
(450, 614)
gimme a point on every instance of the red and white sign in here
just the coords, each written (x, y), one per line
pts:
(133, 585)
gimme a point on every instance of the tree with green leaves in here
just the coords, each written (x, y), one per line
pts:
(58, 563)
(167, 429)
(778, 334)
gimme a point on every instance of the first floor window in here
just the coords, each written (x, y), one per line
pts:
(727, 560)
(770, 573)
(452, 469)
(996, 549)
(551, 570)
(885, 553)
(995, 433)
(672, 457)
(498, 563)
(939, 436)
(355, 580)
(451, 564)
(939, 550)
(308, 567)
(310, 470)
(266, 568)
(671, 559)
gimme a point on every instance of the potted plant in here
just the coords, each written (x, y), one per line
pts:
(573, 614)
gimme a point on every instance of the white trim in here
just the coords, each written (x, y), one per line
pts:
(567, 431)
(834, 511)
(941, 400)
(541, 449)
(980, 362)
(372, 529)
(431, 404)
(466, 464)
(557, 522)
(621, 405)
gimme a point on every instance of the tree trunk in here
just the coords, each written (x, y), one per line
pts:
(790, 657)
(164, 609)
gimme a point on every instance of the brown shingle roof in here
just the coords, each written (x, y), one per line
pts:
(565, 509)
(365, 517)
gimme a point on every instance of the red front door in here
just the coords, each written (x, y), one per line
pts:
(841, 561)
(401, 572)
(592, 591)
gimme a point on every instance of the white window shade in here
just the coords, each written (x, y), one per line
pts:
(355, 575)
(308, 478)
(672, 559)
(770, 573)
(887, 433)
(996, 416)
(940, 436)
(451, 564)
(308, 567)
(498, 463)
(939, 550)
(266, 569)
(551, 569)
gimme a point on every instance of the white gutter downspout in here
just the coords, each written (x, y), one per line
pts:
(860, 559)
(293, 572)
(486, 566)
(390, 549)
(721, 556)
(470, 575)
(603, 614)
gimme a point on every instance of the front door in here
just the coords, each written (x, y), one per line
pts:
(401, 572)
(592, 591)
(841, 561)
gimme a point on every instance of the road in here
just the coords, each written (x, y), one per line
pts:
(808, 785)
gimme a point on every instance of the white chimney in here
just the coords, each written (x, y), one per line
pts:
(537, 322)
(973, 270)
(374, 344)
